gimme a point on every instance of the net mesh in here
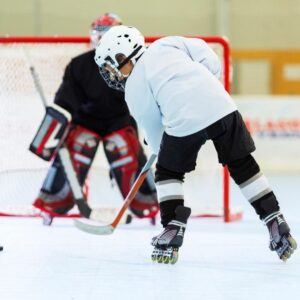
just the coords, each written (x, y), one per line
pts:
(22, 173)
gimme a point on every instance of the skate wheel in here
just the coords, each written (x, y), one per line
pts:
(174, 257)
(166, 260)
(174, 261)
(159, 259)
(292, 242)
(292, 246)
(284, 258)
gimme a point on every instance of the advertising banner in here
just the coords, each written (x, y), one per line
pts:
(274, 123)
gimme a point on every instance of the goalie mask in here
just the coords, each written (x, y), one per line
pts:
(118, 46)
(101, 25)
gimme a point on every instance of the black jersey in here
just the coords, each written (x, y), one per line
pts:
(90, 101)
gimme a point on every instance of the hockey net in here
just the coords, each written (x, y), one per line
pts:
(22, 173)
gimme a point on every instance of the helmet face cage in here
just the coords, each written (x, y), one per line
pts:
(111, 76)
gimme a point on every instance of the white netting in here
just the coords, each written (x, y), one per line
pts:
(22, 173)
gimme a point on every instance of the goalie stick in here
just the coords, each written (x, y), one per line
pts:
(109, 228)
(65, 158)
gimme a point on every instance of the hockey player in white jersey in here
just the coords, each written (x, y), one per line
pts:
(173, 90)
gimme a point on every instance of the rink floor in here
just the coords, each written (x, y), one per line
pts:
(217, 260)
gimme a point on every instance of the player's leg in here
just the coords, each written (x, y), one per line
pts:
(177, 156)
(126, 159)
(234, 147)
(55, 196)
(257, 190)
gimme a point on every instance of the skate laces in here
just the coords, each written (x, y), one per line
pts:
(169, 233)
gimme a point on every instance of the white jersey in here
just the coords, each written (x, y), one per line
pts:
(175, 87)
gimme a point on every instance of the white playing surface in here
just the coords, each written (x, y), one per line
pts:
(217, 261)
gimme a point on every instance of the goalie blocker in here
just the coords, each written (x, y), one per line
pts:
(122, 149)
(50, 134)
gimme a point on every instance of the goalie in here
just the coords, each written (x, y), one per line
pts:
(173, 90)
(99, 113)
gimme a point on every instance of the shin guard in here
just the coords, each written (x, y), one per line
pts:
(254, 186)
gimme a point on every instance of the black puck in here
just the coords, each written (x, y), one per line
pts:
(1, 248)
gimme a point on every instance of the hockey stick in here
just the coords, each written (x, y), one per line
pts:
(109, 228)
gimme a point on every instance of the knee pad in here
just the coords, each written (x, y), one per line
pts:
(243, 169)
(169, 185)
(126, 159)
(55, 195)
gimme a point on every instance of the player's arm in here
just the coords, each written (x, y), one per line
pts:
(69, 94)
(148, 118)
(153, 129)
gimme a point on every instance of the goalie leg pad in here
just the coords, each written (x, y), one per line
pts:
(82, 144)
(126, 158)
(55, 195)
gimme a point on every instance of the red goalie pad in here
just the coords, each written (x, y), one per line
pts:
(126, 158)
(50, 134)
(56, 196)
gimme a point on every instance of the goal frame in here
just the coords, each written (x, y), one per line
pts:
(228, 215)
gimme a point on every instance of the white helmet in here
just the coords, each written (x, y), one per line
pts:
(118, 42)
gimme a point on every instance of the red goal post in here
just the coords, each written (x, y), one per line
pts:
(228, 215)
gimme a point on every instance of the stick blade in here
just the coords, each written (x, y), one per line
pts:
(96, 229)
